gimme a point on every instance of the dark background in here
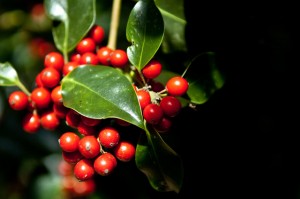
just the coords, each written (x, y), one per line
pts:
(247, 133)
(242, 143)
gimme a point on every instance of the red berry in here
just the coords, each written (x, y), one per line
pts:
(105, 164)
(153, 113)
(152, 69)
(97, 34)
(109, 137)
(164, 125)
(75, 57)
(90, 121)
(56, 95)
(177, 86)
(84, 170)
(103, 55)
(89, 146)
(68, 67)
(83, 188)
(89, 58)
(143, 97)
(40, 97)
(49, 120)
(69, 141)
(72, 157)
(72, 118)
(55, 60)
(38, 81)
(124, 151)
(60, 110)
(118, 58)
(86, 45)
(18, 100)
(170, 105)
(84, 129)
(50, 77)
(31, 123)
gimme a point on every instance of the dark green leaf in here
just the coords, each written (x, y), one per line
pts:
(160, 163)
(8, 75)
(72, 20)
(101, 92)
(174, 20)
(204, 78)
(145, 30)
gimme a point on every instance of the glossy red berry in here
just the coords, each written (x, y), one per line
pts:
(83, 188)
(89, 58)
(72, 118)
(118, 58)
(90, 121)
(72, 157)
(56, 95)
(69, 141)
(143, 97)
(84, 169)
(75, 57)
(89, 146)
(60, 110)
(97, 33)
(177, 86)
(152, 69)
(170, 105)
(38, 81)
(31, 123)
(105, 164)
(109, 137)
(40, 97)
(49, 120)
(69, 66)
(124, 151)
(50, 77)
(55, 60)
(86, 45)
(84, 129)
(164, 125)
(153, 113)
(103, 55)
(18, 100)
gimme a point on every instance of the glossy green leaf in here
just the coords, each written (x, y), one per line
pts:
(159, 162)
(145, 30)
(101, 92)
(72, 20)
(204, 78)
(175, 22)
(8, 75)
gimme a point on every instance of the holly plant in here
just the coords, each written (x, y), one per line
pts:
(117, 104)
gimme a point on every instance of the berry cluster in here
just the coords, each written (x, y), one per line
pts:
(71, 187)
(90, 146)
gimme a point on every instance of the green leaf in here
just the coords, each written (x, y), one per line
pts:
(8, 75)
(74, 17)
(159, 162)
(101, 92)
(145, 30)
(175, 22)
(204, 78)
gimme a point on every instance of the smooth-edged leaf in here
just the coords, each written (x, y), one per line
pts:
(8, 75)
(159, 162)
(145, 31)
(72, 20)
(204, 78)
(175, 23)
(101, 92)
